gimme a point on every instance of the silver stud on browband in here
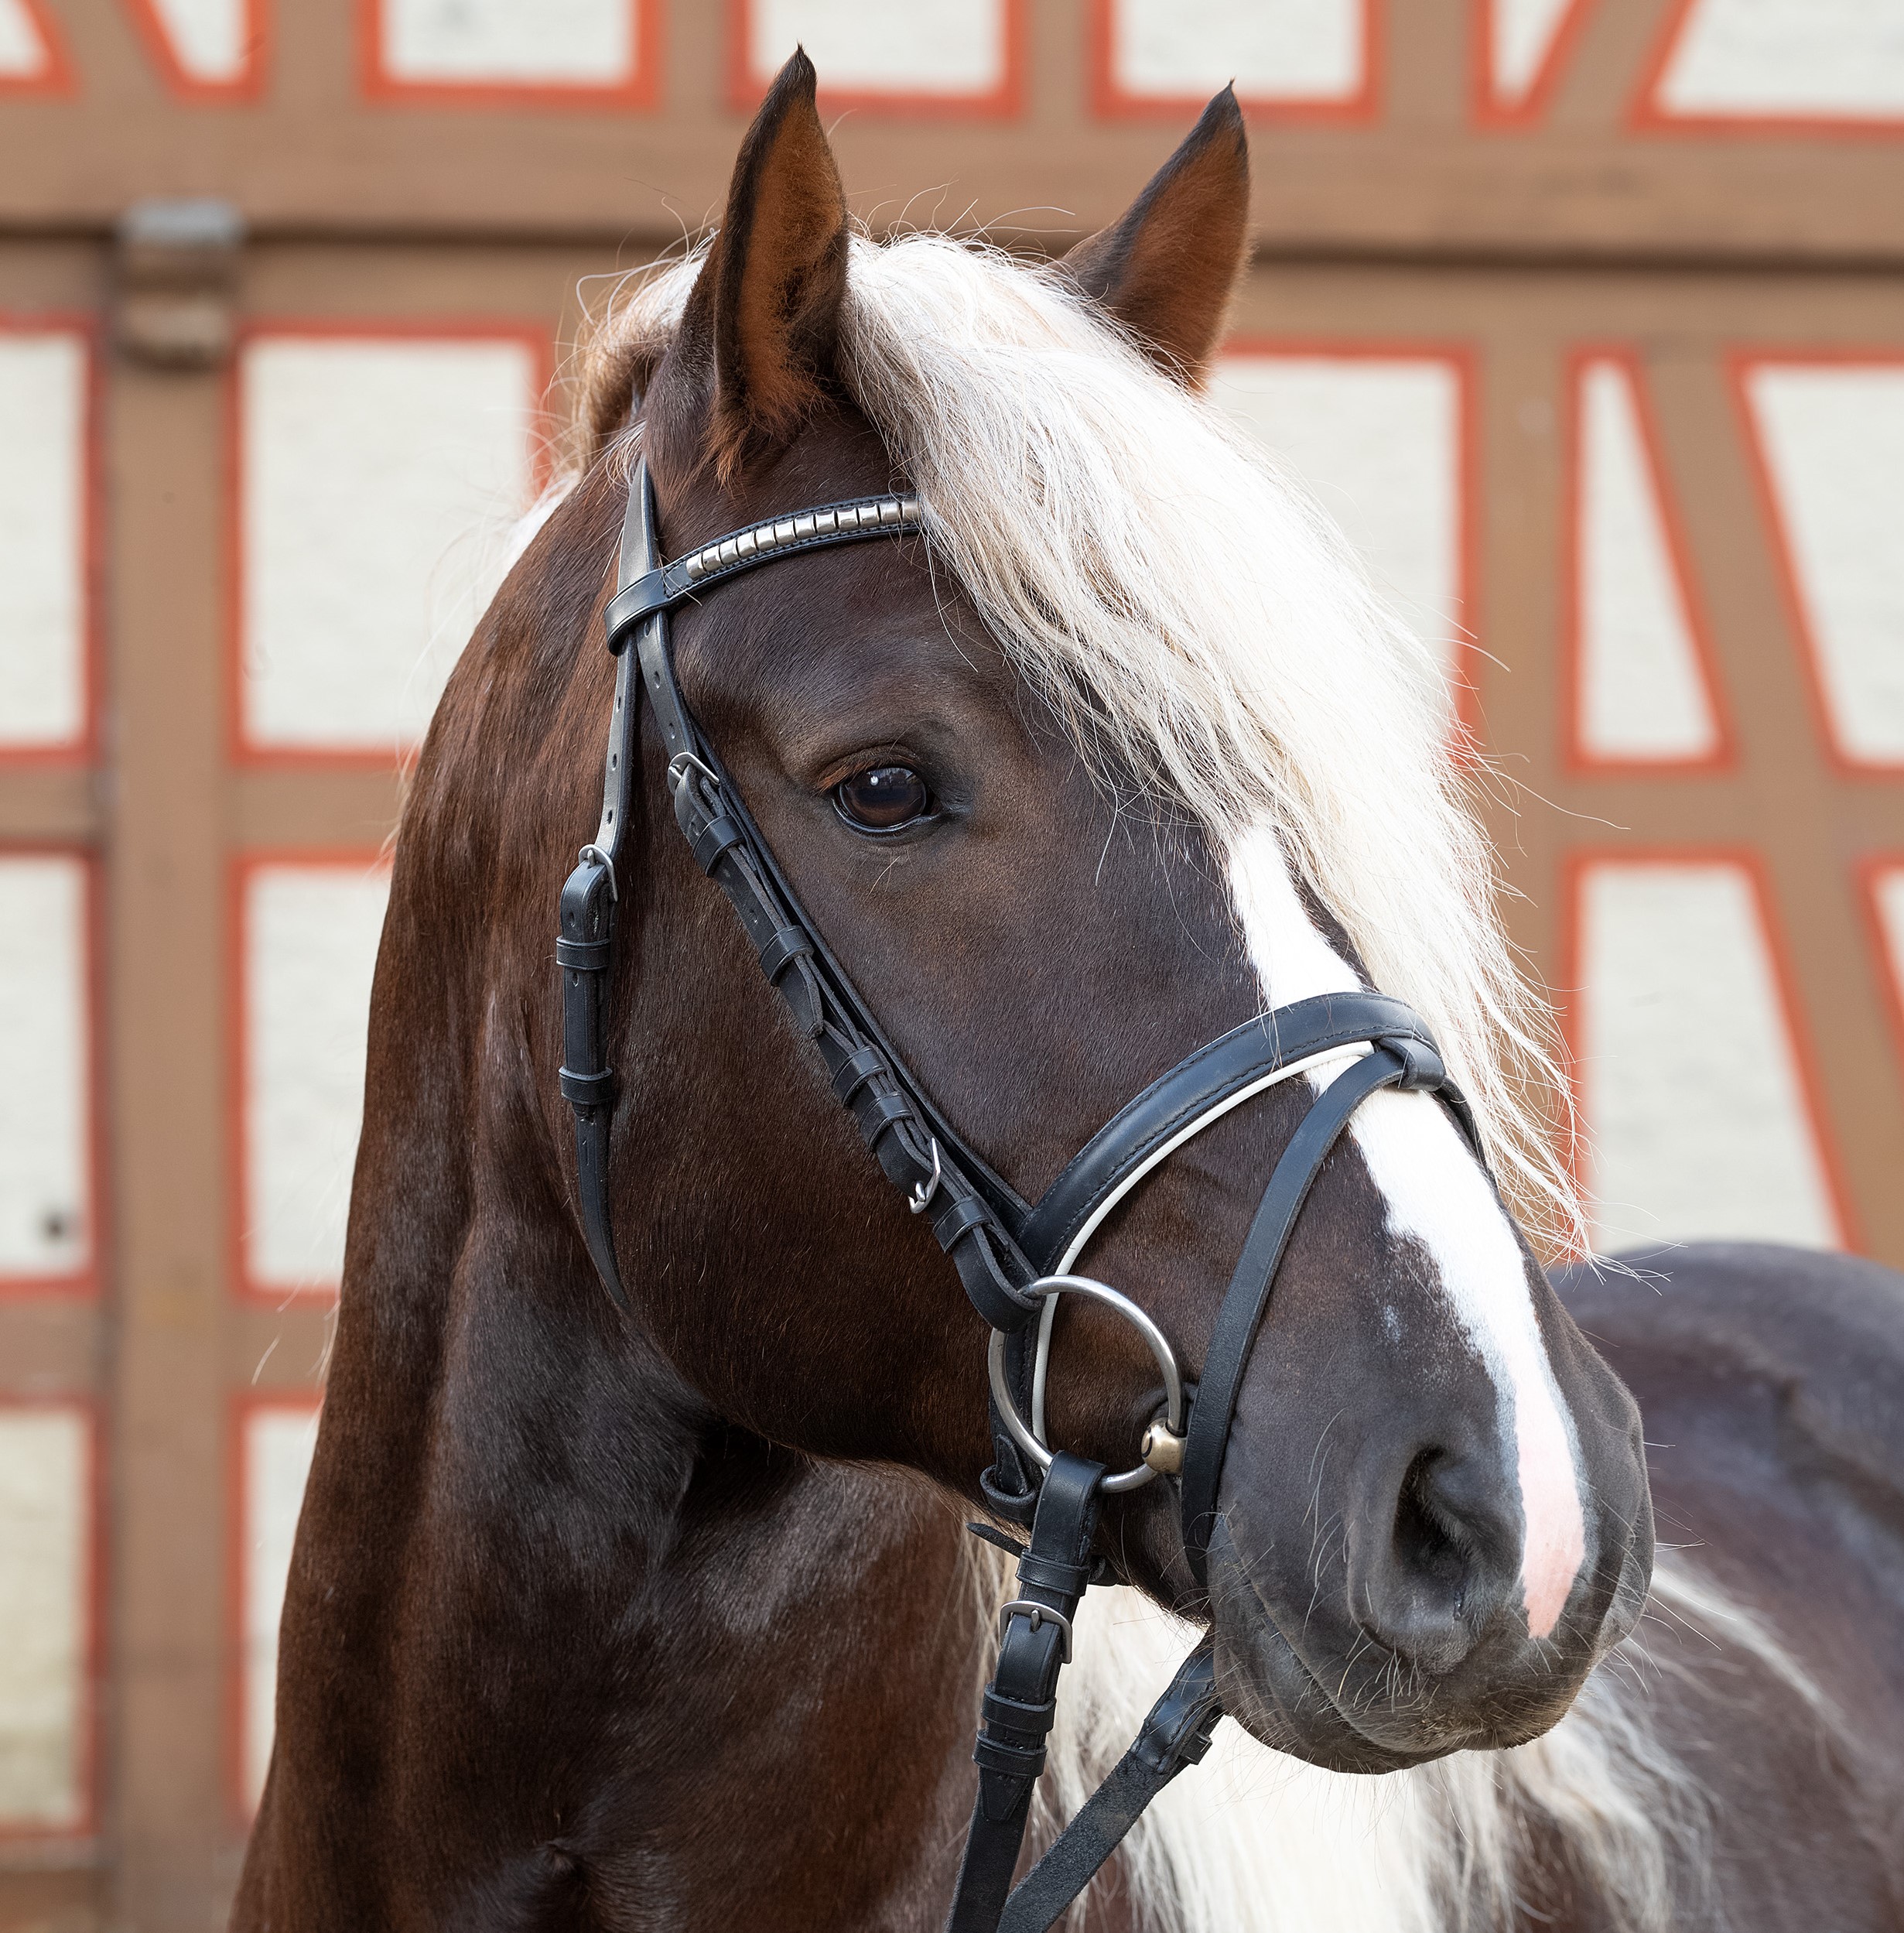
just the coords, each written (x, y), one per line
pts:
(762, 540)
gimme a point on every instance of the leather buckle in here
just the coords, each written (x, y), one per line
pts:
(1040, 1615)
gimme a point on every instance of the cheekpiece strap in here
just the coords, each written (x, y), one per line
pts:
(916, 1152)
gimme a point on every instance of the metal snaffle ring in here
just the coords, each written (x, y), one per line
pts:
(1021, 1432)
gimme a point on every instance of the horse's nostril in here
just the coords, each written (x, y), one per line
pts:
(1430, 1588)
(1428, 1539)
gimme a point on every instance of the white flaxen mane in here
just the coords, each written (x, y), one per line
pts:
(1200, 625)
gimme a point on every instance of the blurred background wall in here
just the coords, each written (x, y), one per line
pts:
(1586, 317)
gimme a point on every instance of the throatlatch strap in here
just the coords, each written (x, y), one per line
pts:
(1020, 1703)
(585, 949)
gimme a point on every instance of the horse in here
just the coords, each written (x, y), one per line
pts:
(661, 1611)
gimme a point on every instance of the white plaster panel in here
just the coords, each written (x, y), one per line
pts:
(379, 479)
(310, 949)
(1833, 436)
(42, 536)
(211, 40)
(45, 1588)
(1379, 440)
(1825, 58)
(474, 42)
(1273, 50)
(279, 1440)
(1689, 1083)
(1520, 35)
(23, 54)
(1643, 688)
(951, 47)
(45, 1056)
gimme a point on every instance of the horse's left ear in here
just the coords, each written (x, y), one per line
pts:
(1166, 269)
(764, 316)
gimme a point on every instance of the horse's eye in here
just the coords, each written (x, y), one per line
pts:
(883, 799)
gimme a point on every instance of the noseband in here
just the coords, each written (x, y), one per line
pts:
(1013, 1257)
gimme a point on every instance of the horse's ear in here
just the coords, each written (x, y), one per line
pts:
(764, 316)
(1166, 269)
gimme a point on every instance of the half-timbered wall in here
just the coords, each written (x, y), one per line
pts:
(1585, 318)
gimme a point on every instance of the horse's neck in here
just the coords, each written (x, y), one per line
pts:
(549, 1637)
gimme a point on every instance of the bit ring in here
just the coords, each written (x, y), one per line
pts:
(1021, 1432)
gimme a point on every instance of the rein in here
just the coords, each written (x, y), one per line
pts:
(1013, 1257)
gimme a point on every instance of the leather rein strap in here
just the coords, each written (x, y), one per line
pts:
(1010, 1255)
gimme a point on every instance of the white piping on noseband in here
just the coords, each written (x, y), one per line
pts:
(1048, 1315)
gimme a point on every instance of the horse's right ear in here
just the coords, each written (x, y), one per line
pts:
(758, 337)
(1166, 269)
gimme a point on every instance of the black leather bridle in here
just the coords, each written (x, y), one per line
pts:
(1011, 1255)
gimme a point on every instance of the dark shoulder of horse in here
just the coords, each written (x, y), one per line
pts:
(663, 1616)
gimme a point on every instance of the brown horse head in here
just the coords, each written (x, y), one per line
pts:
(1122, 754)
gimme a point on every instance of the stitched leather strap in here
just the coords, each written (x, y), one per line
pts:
(1194, 1091)
(1020, 1701)
(584, 950)
(1248, 1295)
(918, 1152)
(973, 1211)
(1176, 1734)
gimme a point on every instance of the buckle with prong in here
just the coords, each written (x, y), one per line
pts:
(1039, 1614)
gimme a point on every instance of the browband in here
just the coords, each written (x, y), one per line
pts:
(775, 537)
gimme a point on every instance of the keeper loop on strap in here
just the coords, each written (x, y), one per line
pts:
(1028, 1715)
(787, 943)
(878, 1112)
(992, 1754)
(719, 834)
(585, 956)
(1423, 1070)
(1047, 1574)
(586, 1090)
(960, 1216)
(648, 594)
(857, 1069)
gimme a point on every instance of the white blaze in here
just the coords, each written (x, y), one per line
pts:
(1437, 1195)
